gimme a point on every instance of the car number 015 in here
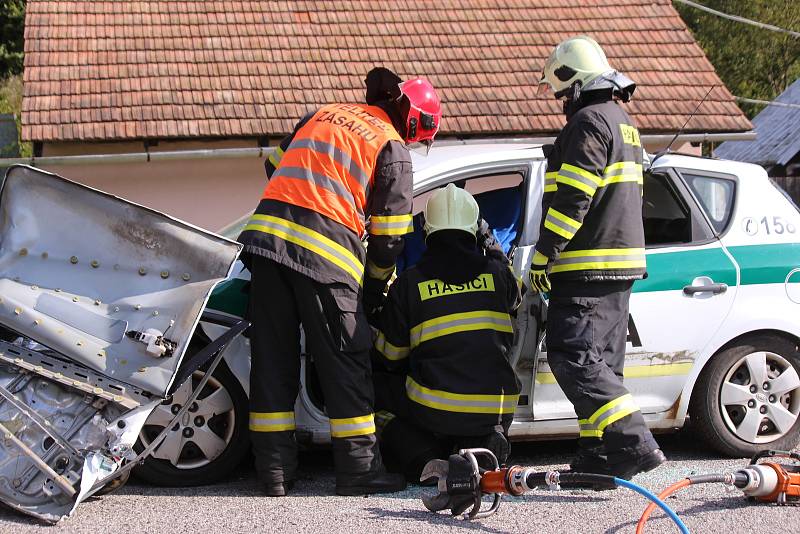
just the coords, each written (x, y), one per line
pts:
(751, 225)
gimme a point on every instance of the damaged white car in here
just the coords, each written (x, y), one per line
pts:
(99, 299)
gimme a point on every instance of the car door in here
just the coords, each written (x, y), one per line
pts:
(674, 312)
(504, 193)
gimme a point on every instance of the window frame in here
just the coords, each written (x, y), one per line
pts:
(718, 176)
(522, 167)
(697, 215)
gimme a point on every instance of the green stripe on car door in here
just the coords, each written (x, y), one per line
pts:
(766, 264)
(669, 271)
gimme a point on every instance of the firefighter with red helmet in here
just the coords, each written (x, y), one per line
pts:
(344, 174)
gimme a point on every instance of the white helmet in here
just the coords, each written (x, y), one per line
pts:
(575, 59)
(451, 208)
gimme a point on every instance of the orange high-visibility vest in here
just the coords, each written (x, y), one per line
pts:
(328, 167)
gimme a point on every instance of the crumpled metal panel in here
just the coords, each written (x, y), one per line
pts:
(78, 418)
(81, 272)
(79, 268)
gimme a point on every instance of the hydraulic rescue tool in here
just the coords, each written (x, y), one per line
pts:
(767, 482)
(465, 478)
(462, 483)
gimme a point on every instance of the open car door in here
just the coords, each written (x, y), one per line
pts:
(99, 298)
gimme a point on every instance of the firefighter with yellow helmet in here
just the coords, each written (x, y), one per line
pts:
(589, 253)
(444, 338)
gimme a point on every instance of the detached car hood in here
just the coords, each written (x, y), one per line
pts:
(79, 269)
(101, 297)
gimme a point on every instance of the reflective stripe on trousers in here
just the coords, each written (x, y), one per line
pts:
(353, 426)
(608, 413)
(460, 402)
(271, 421)
(460, 322)
(309, 239)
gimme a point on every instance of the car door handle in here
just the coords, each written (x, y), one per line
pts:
(716, 289)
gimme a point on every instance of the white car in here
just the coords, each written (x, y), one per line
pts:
(713, 332)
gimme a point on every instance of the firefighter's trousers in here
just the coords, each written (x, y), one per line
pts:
(338, 337)
(586, 337)
(407, 445)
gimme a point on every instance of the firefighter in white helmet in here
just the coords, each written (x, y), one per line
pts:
(445, 332)
(590, 252)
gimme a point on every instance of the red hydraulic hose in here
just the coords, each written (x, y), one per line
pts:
(663, 495)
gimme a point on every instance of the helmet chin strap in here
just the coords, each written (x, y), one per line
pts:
(571, 103)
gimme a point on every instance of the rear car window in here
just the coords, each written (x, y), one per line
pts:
(716, 197)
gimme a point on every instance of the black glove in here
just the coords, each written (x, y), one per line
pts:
(373, 296)
(488, 242)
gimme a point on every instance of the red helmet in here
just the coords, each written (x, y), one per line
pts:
(425, 112)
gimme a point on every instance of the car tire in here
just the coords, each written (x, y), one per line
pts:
(194, 467)
(747, 398)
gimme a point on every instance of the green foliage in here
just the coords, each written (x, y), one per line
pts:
(12, 28)
(11, 102)
(753, 62)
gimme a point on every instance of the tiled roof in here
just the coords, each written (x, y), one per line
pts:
(156, 69)
(777, 134)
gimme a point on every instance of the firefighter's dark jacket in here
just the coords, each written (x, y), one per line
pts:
(320, 247)
(592, 204)
(452, 342)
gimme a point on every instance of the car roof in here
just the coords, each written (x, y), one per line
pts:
(449, 156)
(702, 163)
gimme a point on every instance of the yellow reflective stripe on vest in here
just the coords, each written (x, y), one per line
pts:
(460, 322)
(353, 426)
(460, 402)
(275, 157)
(579, 178)
(607, 414)
(337, 155)
(557, 222)
(550, 184)
(601, 258)
(391, 352)
(271, 421)
(308, 239)
(391, 224)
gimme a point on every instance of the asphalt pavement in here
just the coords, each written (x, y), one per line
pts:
(236, 505)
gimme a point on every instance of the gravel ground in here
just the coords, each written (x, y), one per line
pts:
(236, 506)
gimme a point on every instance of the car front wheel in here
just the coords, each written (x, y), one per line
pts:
(208, 443)
(747, 399)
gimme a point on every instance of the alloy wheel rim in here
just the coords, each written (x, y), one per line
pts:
(760, 397)
(204, 432)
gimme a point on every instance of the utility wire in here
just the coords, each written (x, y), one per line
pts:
(766, 102)
(739, 19)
